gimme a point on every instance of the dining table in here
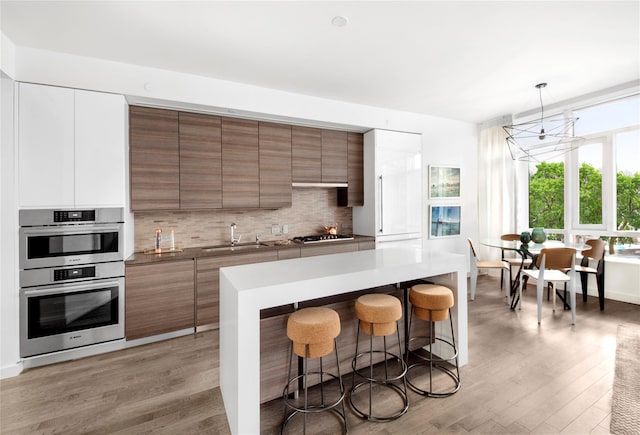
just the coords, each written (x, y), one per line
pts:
(529, 250)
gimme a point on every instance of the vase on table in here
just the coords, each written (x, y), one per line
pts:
(525, 238)
(538, 236)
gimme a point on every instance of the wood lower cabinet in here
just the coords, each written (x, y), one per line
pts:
(240, 164)
(275, 165)
(208, 283)
(159, 298)
(274, 356)
(200, 161)
(334, 156)
(154, 159)
(306, 154)
(328, 248)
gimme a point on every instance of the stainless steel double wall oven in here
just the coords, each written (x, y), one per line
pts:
(71, 278)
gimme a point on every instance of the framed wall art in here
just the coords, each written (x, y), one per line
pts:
(444, 182)
(444, 221)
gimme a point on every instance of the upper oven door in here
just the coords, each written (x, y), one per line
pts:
(65, 245)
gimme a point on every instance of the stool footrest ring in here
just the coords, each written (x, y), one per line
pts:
(403, 364)
(369, 417)
(311, 408)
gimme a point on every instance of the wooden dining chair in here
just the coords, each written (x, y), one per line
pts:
(476, 264)
(518, 261)
(554, 265)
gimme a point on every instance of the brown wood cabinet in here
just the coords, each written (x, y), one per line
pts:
(328, 248)
(154, 159)
(159, 298)
(275, 165)
(334, 156)
(200, 161)
(240, 164)
(355, 169)
(274, 356)
(208, 282)
(185, 160)
(306, 154)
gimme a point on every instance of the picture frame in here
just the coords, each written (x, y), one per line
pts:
(444, 220)
(444, 182)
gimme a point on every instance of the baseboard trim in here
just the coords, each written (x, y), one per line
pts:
(11, 371)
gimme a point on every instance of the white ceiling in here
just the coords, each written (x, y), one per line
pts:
(471, 61)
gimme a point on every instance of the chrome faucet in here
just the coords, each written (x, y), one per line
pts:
(233, 238)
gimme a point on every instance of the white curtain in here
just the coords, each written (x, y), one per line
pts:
(496, 189)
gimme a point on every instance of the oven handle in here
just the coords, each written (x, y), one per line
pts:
(71, 229)
(72, 287)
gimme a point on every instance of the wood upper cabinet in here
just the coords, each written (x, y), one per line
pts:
(159, 298)
(200, 161)
(155, 160)
(334, 156)
(275, 165)
(240, 164)
(355, 167)
(306, 154)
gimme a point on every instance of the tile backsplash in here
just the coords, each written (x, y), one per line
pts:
(311, 209)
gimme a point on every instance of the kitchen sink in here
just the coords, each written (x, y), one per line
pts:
(237, 247)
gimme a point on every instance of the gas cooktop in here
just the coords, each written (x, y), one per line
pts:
(319, 238)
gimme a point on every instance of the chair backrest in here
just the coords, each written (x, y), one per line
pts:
(597, 249)
(473, 248)
(510, 237)
(556, 258)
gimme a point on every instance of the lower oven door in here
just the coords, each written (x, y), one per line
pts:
(65, 316)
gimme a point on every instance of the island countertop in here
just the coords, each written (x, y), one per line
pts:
(245, 290)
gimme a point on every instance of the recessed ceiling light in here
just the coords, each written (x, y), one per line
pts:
(340, 21)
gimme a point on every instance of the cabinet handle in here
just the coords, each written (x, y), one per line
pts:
(381, 207)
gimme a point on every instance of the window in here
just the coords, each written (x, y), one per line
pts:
(628, 180)
(546, 194)
(590, 183)
(596, 187)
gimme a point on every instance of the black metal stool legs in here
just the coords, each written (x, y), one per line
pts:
(387, 381)
(307, 407)
(434, 362)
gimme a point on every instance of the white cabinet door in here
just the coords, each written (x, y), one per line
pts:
(392, 187)
(399, 174)
(45, 150)
(100, 147)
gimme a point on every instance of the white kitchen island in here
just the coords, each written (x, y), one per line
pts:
(247, 289)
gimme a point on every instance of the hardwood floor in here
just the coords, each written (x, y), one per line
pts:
(521, 378)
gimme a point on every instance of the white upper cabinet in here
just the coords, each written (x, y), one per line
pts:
(45, 146)
(100, 165)
(392, 186)
(71, 147)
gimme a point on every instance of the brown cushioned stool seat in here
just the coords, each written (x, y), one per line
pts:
(313, 333)
(378, 316)
(432, 303)
(315, 326)
(378, 313)
(431, 297)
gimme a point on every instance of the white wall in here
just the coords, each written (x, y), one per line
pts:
(9, 355)
(444, 141)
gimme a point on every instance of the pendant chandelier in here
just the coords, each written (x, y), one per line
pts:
(542, 139)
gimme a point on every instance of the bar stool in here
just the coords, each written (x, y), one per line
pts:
(313, 333)
(433, 303)
(378, 316)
